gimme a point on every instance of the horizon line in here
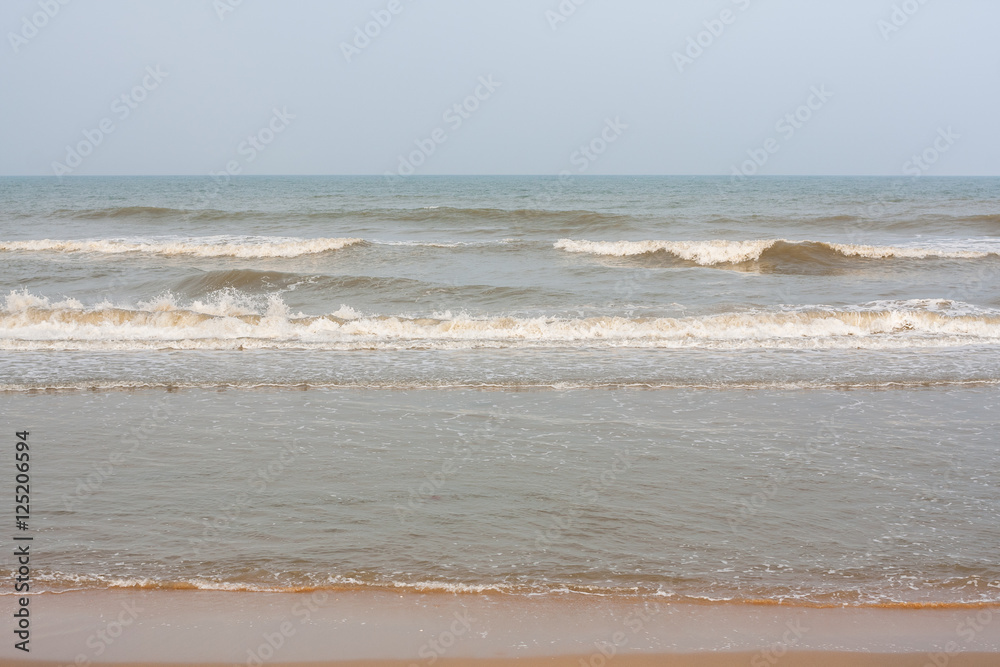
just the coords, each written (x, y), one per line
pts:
(548, 175)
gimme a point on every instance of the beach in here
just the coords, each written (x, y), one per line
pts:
(685, 420)
(366, 628)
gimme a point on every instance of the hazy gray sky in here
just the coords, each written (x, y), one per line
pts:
(873, 83)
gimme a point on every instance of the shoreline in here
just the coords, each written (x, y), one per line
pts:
(382, 629)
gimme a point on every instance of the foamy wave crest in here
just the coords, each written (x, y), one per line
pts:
(702, 252)
(60, 581)
(231, 320)
(417, 586)
(953, 593)
(709, 253)
(209, 246)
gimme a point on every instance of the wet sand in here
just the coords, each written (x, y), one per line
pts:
(799, 659)
(382, 628)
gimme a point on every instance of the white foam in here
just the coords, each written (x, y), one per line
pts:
(209, 246)
(231, 320)
(907, 252)
(446, 244)
(346, 313)
(708, 253)
(701, 252)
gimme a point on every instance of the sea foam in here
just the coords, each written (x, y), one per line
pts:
(210, 246)
(231, 319)
(713, 252)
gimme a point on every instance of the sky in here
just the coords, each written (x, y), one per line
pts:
(796, 87)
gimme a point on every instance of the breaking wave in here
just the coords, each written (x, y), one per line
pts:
(209, 246)
(710, 253)
(955, 593)
(233, 320)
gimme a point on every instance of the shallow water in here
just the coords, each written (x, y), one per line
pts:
(780, 389)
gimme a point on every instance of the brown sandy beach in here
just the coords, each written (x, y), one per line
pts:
(375, 629)
(792, 659)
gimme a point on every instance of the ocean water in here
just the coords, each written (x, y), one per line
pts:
(779, 389)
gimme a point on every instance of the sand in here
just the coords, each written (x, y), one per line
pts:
(798, 659)
(382, 628)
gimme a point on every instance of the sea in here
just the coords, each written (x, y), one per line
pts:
(754, 390)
